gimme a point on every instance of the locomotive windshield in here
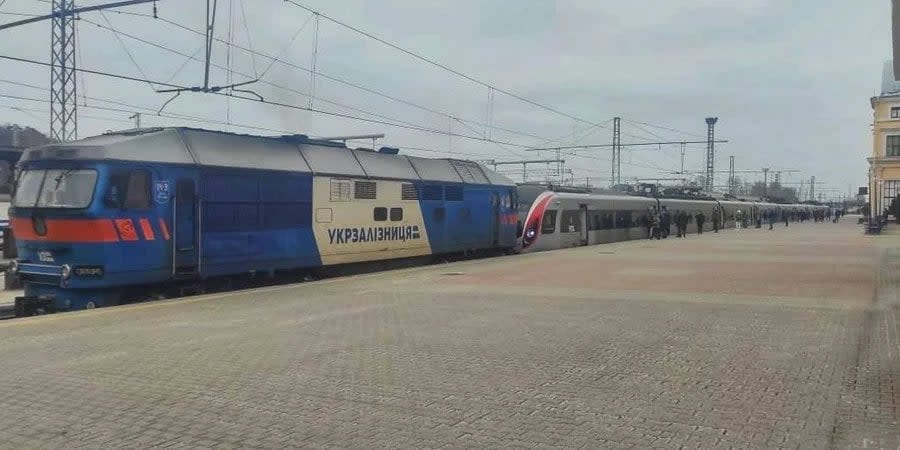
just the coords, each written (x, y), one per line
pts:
(67, 188)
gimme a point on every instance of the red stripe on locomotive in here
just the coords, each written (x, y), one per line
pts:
(126, 229)
(147, 229)
(66, 230)
(164, 228)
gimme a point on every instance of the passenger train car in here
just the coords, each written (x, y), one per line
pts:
(100, 220)
(560, 219)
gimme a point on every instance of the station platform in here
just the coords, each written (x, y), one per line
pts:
(750, 338)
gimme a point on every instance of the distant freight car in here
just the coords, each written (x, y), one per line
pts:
(109, 218)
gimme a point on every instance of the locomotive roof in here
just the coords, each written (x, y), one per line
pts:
(297, 153)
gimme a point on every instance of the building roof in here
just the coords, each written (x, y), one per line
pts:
(889, 84)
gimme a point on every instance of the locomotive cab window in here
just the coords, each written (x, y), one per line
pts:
(129, 190)
(56, 188)
(548, 223)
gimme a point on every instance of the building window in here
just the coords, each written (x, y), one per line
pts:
(893, 146)
(890, 189)
(895, 112)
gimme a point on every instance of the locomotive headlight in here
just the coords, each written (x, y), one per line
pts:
(66, 271)
(530, 233)
(13, 266)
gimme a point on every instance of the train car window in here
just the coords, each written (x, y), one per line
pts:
(380, 214)
(340, 190)
(408, 192)
(594, 220)
(364, 190)
(609, 221)
(570, 221)
(440, 213)
(396, 214)
(548, 223)
(624, 219)
(137, 194)
(432, 192)
(453, 193)
(644, 220)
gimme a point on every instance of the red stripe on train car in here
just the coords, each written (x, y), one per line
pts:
(66, 230)
(147, 229)
(164, 228)
(126, 229)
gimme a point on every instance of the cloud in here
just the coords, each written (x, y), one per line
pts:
(790, 81)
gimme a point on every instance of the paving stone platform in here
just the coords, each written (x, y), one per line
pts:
(752, 338)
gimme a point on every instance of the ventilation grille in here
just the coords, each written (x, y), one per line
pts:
(432, 192)
(408, 192)
(453, 193)
(364, 190)
(340, 190)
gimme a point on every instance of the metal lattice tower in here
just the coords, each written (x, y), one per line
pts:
(617, 152)
(731, 175)
(812, 188)
(710, 151)
(63, 100)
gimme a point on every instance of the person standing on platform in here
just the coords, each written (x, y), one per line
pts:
(786, 217)
(701, 219)
(665, 222)
(770, 217)
(715, 219)
(681, 219)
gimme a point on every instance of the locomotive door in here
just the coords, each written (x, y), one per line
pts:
(585, 224)
(185, 251)
(495, 219)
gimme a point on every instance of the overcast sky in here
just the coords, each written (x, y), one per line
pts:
(790, 81)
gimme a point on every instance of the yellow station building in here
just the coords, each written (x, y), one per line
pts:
(884, 163)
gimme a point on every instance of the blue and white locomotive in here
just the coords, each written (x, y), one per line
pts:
(100, 219)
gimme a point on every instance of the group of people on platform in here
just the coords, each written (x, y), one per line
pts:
(660, 224)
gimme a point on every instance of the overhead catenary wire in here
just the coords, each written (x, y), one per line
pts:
(686, 133)
(293, 90)
(128, 108)
(347, 83)
(125, 48)
(438, 64)
(273, 103)
(289, 89)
